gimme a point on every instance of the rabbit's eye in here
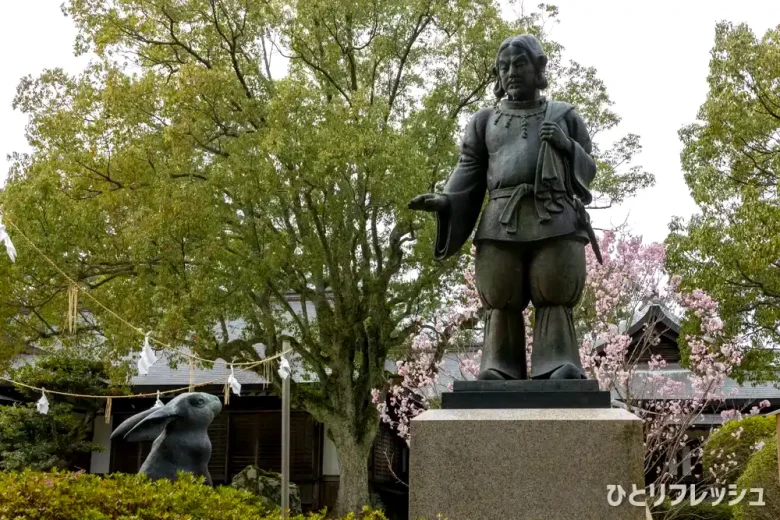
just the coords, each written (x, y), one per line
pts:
(199, 402)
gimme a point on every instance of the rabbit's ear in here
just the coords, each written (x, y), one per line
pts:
(151, 426)
(130, 423)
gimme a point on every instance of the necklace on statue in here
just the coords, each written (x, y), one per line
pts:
(523, 116)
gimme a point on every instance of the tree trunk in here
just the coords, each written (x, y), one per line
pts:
(353, 465)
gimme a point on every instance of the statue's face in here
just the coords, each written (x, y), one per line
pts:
(516, 73)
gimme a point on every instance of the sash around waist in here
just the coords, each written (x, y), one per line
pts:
(518, 191)
(508, 217)
(518, 221)
(511, 216)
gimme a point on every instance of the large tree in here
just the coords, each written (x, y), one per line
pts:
(187, 183)
(731, 160)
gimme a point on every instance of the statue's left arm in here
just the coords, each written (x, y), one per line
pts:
(583, 167)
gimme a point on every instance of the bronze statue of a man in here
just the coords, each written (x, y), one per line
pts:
(533, 157)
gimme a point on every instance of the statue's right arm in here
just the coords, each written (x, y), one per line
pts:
(471, 170)
(464, 189)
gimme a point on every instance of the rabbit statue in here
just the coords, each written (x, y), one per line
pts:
(179, 432)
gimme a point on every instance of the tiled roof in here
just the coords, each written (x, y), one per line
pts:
(162, 374)
(655, 313)
(643, 388)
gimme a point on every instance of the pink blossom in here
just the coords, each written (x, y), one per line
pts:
(730, 415)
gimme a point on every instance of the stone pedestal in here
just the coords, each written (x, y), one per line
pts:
(524, 464)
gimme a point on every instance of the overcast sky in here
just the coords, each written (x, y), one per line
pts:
(653, 57)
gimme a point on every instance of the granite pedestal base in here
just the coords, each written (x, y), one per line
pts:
(524, 464)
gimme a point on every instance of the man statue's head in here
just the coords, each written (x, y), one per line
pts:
(520, 67)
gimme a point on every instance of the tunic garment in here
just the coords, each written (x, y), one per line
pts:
(513, 150)
(525, 173)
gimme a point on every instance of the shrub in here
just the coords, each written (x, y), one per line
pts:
(58, 439)
(761, 472)
(734, 441)
(31, 495)
(42, 442)
(267, 485)
(686, 511)
(69, 370)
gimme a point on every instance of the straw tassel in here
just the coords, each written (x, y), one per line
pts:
(109, 403)
(73, 307)
(227, 394)
(192, 375)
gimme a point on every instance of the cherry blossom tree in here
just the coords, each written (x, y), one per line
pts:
(631, 278)
(451, 329)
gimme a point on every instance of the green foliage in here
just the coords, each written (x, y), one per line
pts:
(69, 496)
(761, 472)
(731, 160)
(29, 439)
(188, 181)
(267, 485)
(734, 441)
(686, 511)
(66, 371)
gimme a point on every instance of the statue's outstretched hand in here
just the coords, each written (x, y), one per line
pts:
(429, 202)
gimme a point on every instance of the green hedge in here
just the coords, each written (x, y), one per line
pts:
(724, 443)
(30, 495)
(761, 472)
(686, 511)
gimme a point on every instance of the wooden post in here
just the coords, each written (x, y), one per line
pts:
(285, 439)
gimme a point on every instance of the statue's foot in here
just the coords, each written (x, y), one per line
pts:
(568, 371)
(493, 374)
